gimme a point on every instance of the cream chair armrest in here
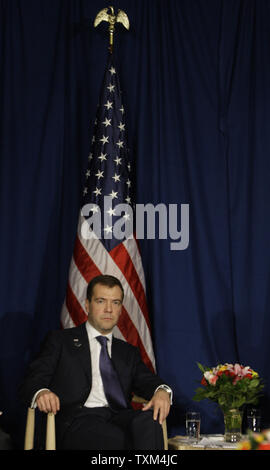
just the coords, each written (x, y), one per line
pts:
(165, 434)
(137, 399)
(50, 432)
(30, 430)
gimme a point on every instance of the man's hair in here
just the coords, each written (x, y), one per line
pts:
(104, 280)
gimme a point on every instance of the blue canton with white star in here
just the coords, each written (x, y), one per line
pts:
(109, 169)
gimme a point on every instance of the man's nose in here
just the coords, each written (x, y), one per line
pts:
(108, 306)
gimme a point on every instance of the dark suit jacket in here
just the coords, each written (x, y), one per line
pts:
(64, 366)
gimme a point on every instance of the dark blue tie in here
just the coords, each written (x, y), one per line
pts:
(111, 384)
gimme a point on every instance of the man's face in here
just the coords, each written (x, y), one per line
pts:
(105, 307)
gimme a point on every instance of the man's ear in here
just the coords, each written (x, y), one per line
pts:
(86, 305)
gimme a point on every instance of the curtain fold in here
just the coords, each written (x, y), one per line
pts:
(194, 77)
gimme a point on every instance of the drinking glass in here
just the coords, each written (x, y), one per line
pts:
(193, 424)
(254, 420)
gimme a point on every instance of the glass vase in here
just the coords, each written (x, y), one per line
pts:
(233, 425)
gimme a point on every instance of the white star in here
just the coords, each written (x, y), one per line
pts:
(128, 182)
(108, 229)
(97, 192)
(120, 143)
(90, 156)
(118, 160)
(128, 200)
(112, 70)
(93, 138)
(94, 208)
(99, 174)
(111, 211)
(104, 140)
(103, 156)
(87, 174)
(108, 105)
(129, 166)
(121, 126)
(116, 177)
(126, 216)
(111, 87)
(85, 191)
(122, 109)
(113, 194)
(107, 122)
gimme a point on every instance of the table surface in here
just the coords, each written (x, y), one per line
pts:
(206, 442)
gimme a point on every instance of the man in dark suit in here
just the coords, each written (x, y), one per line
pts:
(70, 378)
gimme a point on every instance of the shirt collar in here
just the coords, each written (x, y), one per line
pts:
(93, 333)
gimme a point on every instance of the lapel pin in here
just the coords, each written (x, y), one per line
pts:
(76, 342)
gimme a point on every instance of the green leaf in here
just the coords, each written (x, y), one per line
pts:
(254, 383)
(201, 367)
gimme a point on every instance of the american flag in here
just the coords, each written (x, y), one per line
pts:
(98, 249)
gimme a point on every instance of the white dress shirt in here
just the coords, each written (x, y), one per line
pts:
(97, 396)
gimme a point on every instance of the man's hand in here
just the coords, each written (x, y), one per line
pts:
(160, 402)
(47, 402)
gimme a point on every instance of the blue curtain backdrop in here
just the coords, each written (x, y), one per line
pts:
(195, 77)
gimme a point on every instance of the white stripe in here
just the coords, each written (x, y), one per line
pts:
(78, 284)
(117, 333)
(66, 319)
(132, 249)
(106, 265)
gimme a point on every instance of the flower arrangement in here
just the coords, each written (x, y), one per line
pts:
(256, 441)
(229, 385)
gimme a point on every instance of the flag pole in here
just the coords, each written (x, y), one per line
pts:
(101, 247)
(107, 14)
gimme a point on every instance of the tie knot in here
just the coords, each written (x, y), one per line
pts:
(102, 340)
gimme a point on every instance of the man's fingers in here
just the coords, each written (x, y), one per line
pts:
(161, 411)
(147, 406)
(48, 402)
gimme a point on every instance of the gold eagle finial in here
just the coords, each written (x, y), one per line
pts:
(107, 14)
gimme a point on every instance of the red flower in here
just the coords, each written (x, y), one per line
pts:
(203, 382)
(248, 376)
(228, 373)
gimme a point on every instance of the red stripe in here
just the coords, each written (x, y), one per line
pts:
(84, 263)
(130, 332)
(121, 257)
(75, 309)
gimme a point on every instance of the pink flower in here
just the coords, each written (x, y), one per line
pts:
(210, 377)
(237, 369)
(241, 371)
(213, 380)
(246, 370)
(236, 379)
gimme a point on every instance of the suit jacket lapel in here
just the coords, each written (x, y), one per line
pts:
(81, 349)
